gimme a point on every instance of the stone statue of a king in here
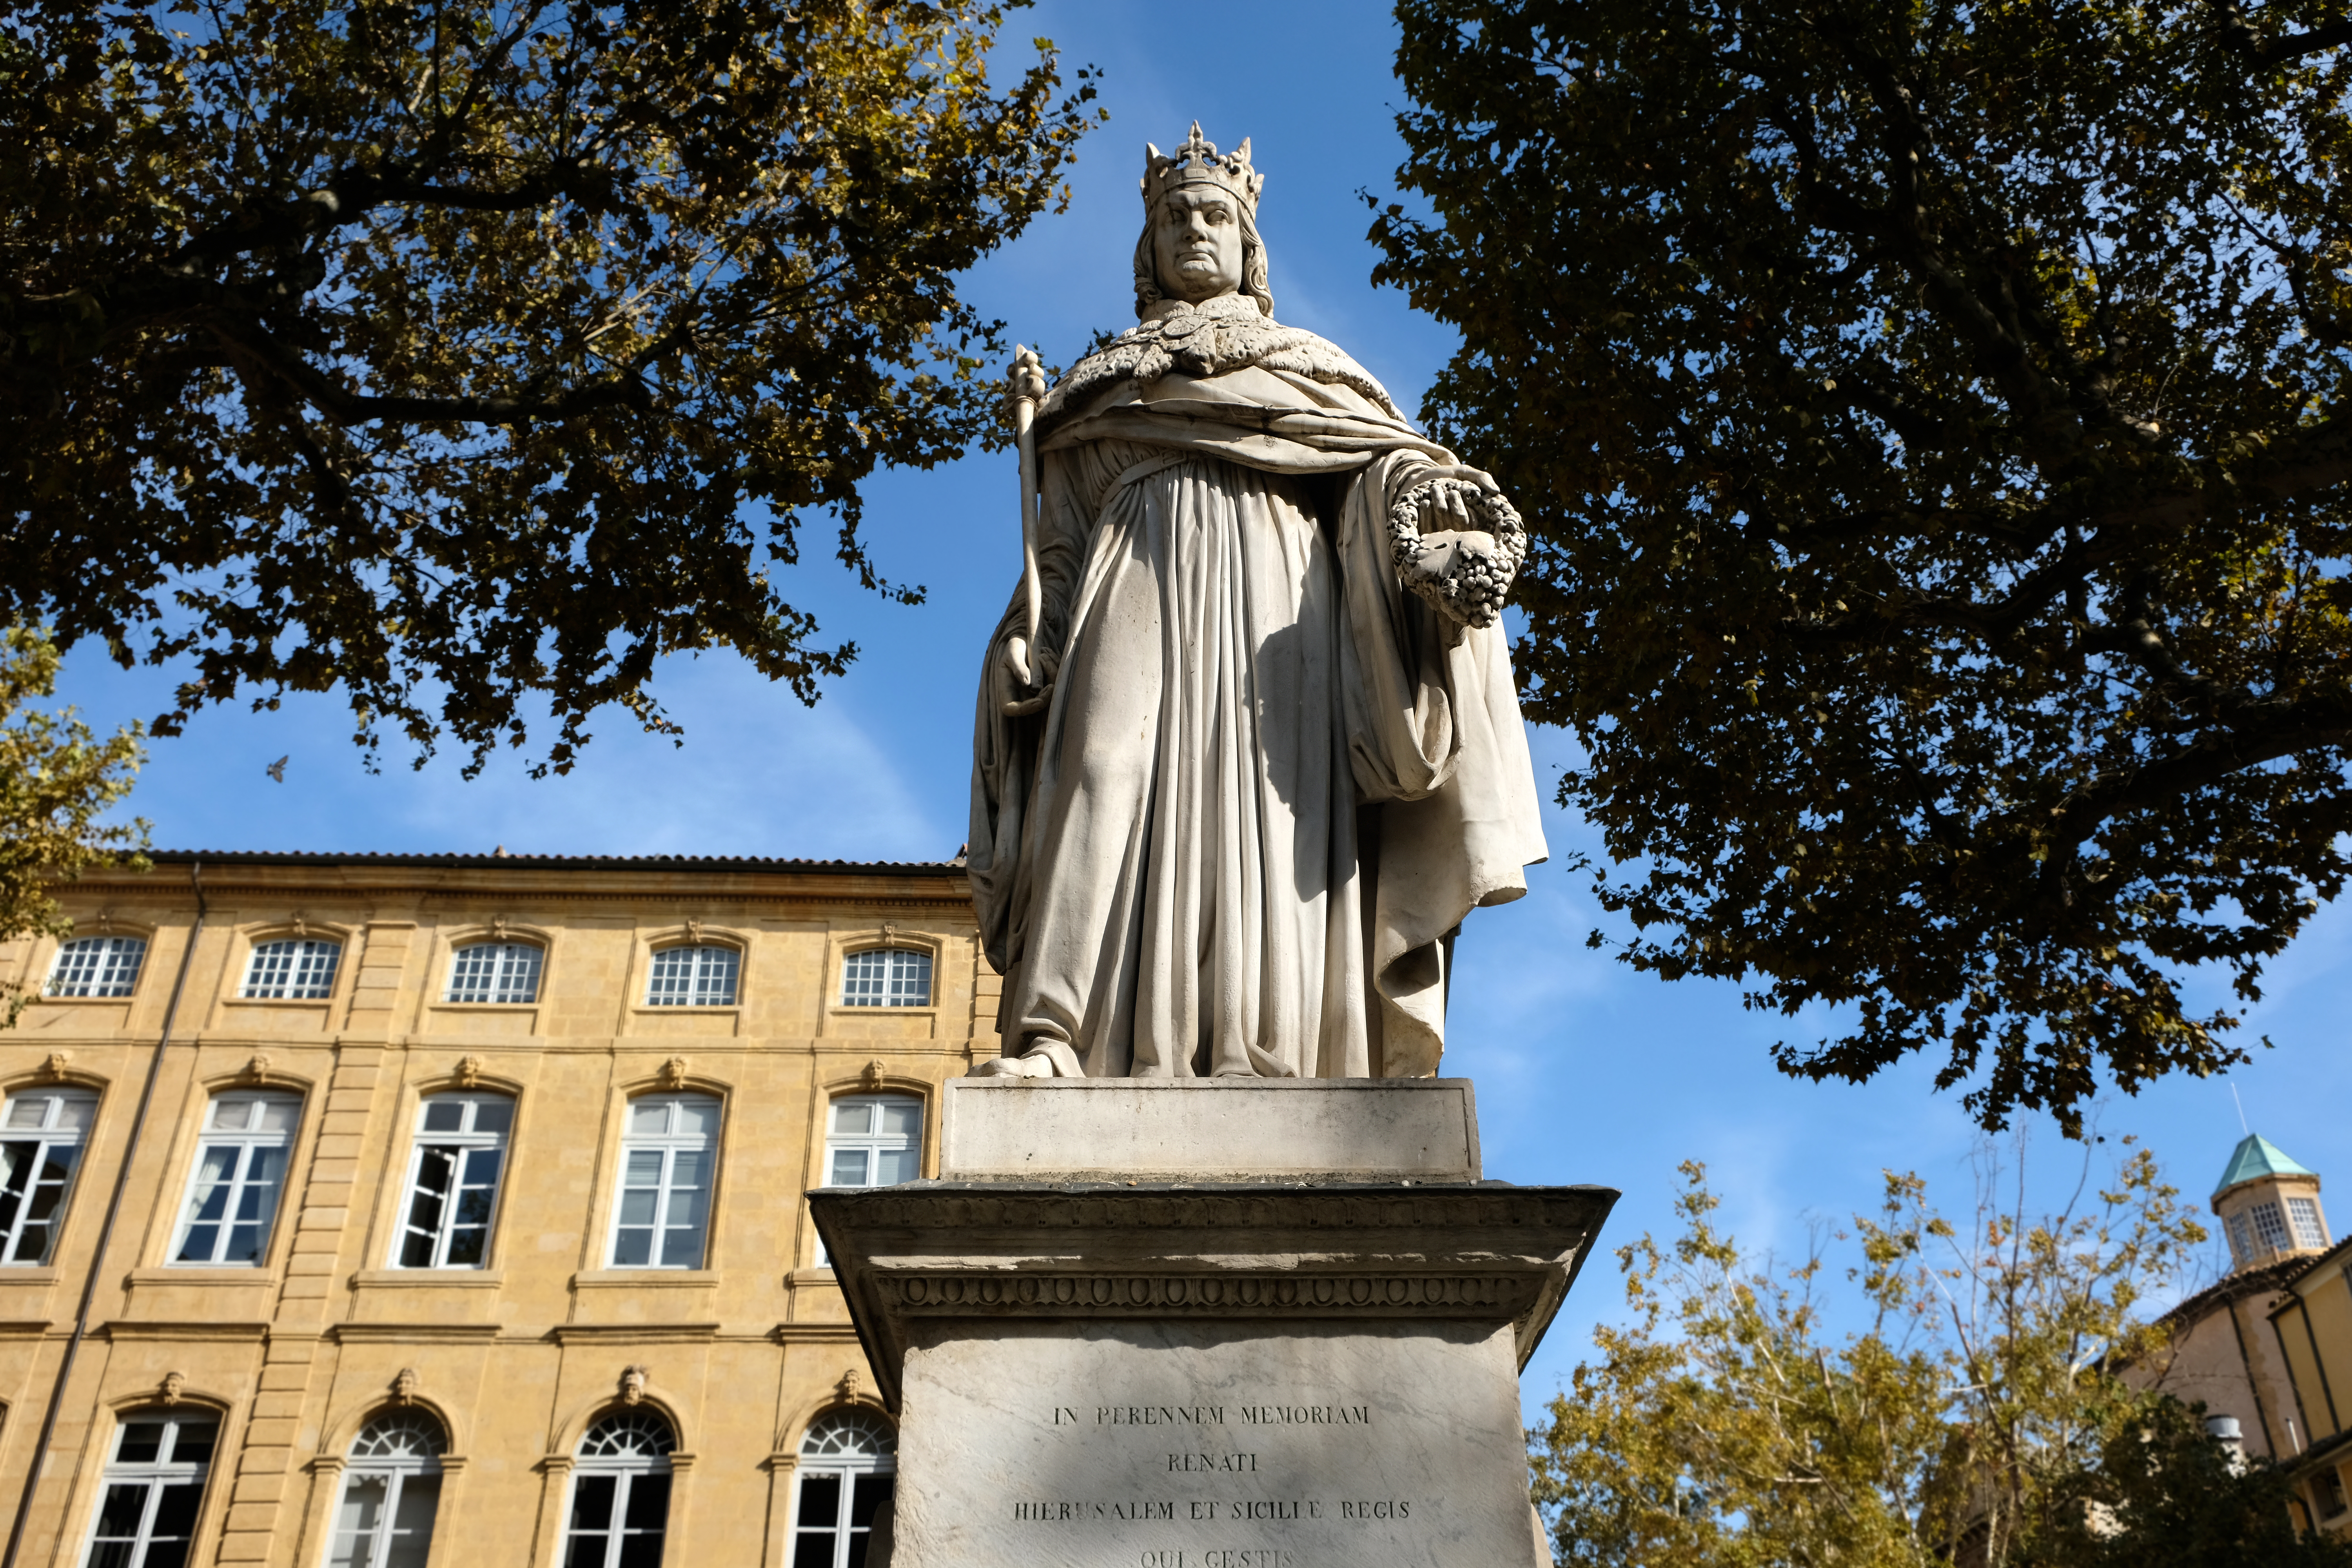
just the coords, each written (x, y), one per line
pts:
(1260, 753)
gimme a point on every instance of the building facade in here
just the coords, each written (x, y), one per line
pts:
(464, 1220)
(2256, 1348)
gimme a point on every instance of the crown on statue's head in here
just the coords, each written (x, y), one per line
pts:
(1197, 162)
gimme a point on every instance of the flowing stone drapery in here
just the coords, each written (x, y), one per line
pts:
(1269, 783)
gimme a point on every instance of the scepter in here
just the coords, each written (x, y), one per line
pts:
(1028, 382)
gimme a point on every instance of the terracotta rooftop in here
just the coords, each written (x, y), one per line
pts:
(501, 861)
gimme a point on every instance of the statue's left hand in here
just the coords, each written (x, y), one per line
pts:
(1458, 543)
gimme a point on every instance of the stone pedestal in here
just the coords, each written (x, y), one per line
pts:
(1097, 1361)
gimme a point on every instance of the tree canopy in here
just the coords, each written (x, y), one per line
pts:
(56, 779)
(469, 355)
(1933, 422)
(1973, 1414)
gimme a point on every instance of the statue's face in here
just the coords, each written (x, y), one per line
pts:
(1197, 244)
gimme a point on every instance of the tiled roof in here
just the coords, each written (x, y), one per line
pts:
(556, 862)
(2257, 1157)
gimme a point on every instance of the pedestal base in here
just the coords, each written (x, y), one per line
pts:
(1219, 1375)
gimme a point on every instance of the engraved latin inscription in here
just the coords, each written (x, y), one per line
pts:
(1193, 1464)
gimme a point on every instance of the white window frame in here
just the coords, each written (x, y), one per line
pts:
(498, 987)
(2241, 1240)
(889, 987)
(398, 1468)
(462, 1145)
(668, 1145)
(165, 1470)
(250, 1143)
(116, 963)
(292, 969)
(845, 1444)
(2304, 1222)
(873, 1143)
(47, 1139)
(2269, 1221)
(708, 975)
(642, 1459)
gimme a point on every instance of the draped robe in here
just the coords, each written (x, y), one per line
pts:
(1269, 783)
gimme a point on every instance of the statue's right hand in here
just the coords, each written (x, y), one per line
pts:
(1022, 690)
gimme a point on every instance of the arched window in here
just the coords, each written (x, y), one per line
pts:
(620, 1493)
(240, 1170)
(98, 966)
(849, 1462)
(452, 1181)
(392, 1486)
(693, 978)
(296, 968)
(495, 972)
(668, 1156)
(886, 977)
(153, 1488)
(41, 1137)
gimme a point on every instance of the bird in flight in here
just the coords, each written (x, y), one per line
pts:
(277, 769)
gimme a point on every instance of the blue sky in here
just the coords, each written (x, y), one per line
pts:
(1585, 1071)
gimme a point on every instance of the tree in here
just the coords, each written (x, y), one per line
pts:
(1973, 1418)
(471, 353)
(56, 780)
(1933, 422)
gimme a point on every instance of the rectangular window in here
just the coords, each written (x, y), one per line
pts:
(98, 966)
(41, 1136)
(2327, 1488)
(872, 1141)
(453, 1180)
(153, 1489)
(667, 1161)
(2270, 1226)
(2304, 1214)
(241, 1168)
(293, 970)
(2241, 1240)
(886, 977)
(497, 972)
(693, 978)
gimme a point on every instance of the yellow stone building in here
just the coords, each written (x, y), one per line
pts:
(462, 1222)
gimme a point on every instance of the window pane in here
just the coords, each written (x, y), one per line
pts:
(444, 1115)
(592, 1502)
(412, 1530)
(649, 1116)
(682, 1248)
(848, 1168)
(853, 1116)
(493, 1115)
(192, 1441)
(698, 1116)
(118, 1513)
(867, 1494)
(633, 1248)
(813, 1550)
(648, 1502)
(28, 1111)
(175, 1512)
(820, 1501)
(356, 1521)
(902, 1117)
(277, 1115)
(895, 1165)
